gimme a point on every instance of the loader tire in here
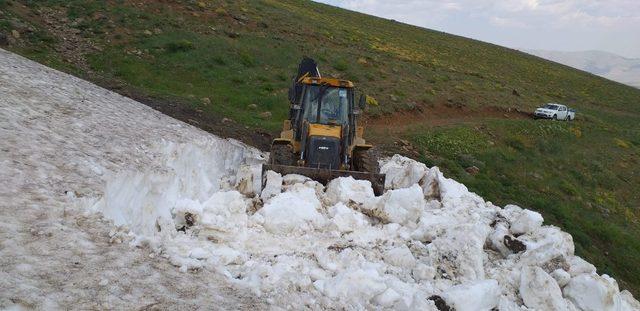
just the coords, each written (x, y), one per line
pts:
(282, 155)
(366, 161)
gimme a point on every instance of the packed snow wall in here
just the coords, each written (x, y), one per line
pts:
(182, 174)
(425, 243)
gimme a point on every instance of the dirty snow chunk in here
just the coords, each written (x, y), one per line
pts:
(400, 256)
(475, 296)
(273, 186)
(402, 172)
(527, 221)
(345, 189)
(432, 224)
(411, 296)
(578, 266)
(403, 206)
(562, 277)
(346, 219)
(540, 291)
(496, 239)
(430, 184)
(387, 298)
(291, 179)
(508, 304)
(459, 252)
(295, 209)
(423, 272)
(356, 286)
(224, 216)
(591, 292)
(511, 212)
(288, 271)
(546, 244)
(452, 193)
(249, 179)
(186, 212)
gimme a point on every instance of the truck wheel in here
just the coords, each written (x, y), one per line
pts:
(282, 155)
(366, 161)
(555, 117)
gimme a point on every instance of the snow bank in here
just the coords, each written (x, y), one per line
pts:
(187, 180)
(427, 241)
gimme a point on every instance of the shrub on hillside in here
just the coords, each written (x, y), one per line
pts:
(179, 46)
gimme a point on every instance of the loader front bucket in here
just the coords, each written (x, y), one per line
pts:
(324, 176)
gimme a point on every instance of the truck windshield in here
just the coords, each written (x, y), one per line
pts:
(551, 107)
(326, 104)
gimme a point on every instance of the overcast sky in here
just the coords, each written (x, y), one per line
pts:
(563, 25)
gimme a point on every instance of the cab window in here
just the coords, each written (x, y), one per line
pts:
(326, 104)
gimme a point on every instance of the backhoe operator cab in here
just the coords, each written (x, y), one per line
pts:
(323, 125)
(326, 104)
(322, 131)
(324, 119)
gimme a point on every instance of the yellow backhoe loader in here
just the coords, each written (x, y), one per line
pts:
(322, 139)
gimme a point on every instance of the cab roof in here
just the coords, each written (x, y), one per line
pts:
(327, 81)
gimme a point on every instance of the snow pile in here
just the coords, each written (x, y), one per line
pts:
(426, 243)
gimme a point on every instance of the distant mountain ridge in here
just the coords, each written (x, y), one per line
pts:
(608, 65)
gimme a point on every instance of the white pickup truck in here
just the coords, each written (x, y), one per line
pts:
(555, 112)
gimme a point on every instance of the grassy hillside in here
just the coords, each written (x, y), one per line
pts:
(450, 101)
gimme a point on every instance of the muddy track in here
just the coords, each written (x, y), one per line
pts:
(441, 115)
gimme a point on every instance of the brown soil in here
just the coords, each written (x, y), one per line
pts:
(441, 115)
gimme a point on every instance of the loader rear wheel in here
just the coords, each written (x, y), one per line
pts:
(366, 161)
(282, 155)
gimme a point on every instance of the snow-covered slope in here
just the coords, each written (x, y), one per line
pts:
(62, 137)
(185, 223)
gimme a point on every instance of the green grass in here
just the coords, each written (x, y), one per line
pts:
(583, 175)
